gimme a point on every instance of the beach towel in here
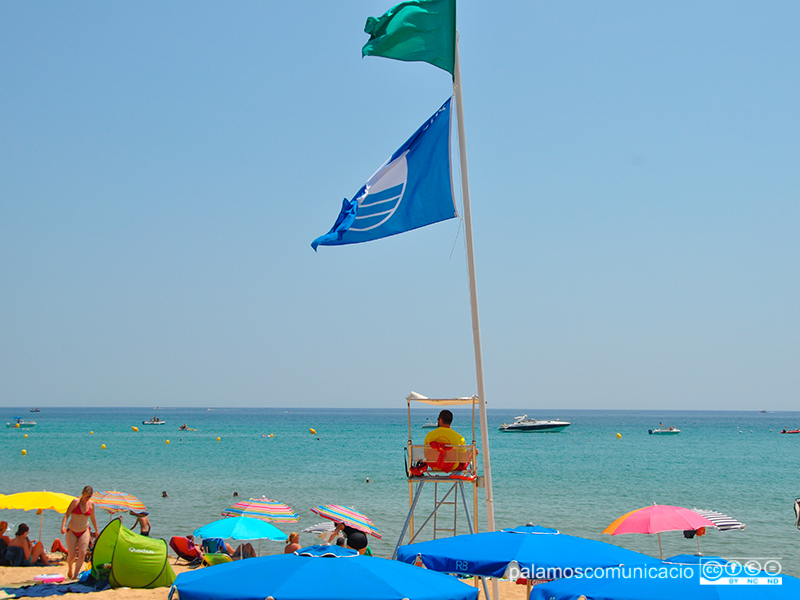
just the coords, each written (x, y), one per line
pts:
(56, 589)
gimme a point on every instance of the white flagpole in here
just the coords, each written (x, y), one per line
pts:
(473, 293)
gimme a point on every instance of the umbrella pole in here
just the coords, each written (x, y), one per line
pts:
(41, 520)
(660, 553)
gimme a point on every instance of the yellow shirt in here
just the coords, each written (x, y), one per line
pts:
(445, 435)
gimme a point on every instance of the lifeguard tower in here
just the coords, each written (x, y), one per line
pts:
(451, 469)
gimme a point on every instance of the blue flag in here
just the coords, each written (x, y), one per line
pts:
(412, 189)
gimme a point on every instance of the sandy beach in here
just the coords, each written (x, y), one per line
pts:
(19, 576)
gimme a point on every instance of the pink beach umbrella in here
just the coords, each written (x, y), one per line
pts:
(658, 518)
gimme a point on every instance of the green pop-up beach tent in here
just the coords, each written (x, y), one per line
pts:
(131, 560)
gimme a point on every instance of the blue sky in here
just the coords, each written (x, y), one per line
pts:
(634, 181)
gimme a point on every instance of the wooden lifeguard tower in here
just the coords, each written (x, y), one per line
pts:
(453, 467)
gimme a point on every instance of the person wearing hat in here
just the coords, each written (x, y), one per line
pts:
(142, 521)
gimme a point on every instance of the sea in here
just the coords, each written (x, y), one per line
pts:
(577, 481)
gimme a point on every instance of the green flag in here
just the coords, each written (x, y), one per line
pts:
(415, 30)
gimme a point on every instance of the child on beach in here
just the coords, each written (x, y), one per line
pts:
(142, 521)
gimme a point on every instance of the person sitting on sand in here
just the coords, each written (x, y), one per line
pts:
(245, 550)
(79, 531)
(33, 553)
(142, 521)
(292, 543)
(3, 536)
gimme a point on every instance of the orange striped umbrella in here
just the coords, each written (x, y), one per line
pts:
(115, 502)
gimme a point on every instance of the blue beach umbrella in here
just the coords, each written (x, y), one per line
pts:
(536, 550)
(295, 577)
(668, 581)
(241, 528)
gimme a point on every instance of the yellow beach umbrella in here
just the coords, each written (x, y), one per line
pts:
(38, 501)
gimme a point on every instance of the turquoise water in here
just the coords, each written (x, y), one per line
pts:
(578, 481)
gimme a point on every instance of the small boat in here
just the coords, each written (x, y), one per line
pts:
(35, 410)
(764, 411)
(19, 422)
(664, 431)
(428, 424)
(154, 421)
(523, 423)
(791, 431)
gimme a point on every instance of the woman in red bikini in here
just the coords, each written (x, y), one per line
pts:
(78, 531)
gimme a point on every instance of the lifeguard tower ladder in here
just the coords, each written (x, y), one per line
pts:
(452, 467)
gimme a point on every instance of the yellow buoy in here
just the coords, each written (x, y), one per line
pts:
(17, 425)
(218, 439)
(24, 452)
(271, 435)
(134, 427)
(102, 446)
(619, 436)
(168, 441)
(314, 431)
(91, 433)
(26, 435)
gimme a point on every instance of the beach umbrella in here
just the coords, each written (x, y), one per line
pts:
(326, 550)
(325, 527)
(529, 551)
(38, 501)
(264, 509)
(295, 577)
(721, 521)
(658, 518)
(241, 528)
(115, 502)
(668, 581)
(348, 516)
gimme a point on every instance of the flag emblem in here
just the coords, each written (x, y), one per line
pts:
(410, 190)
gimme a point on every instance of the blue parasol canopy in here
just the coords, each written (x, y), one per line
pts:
(241, 528)
(295, 577)
(533, 548)
(326, 551)
(679, 581)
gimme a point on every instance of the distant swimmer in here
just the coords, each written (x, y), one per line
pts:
(164, 494)
(367, 481)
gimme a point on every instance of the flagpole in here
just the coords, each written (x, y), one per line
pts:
(473, 293)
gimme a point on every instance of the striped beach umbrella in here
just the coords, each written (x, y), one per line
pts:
(720, 520)
(348, 516)
(115, 502)
(264, 509)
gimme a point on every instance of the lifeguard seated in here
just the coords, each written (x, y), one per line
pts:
(441, 456)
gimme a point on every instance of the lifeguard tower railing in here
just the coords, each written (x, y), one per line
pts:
(449, 466)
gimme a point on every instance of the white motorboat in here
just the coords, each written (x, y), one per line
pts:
(428, 424)
(154, 421)
(523, 423)
(664, 431)
(19, 422)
